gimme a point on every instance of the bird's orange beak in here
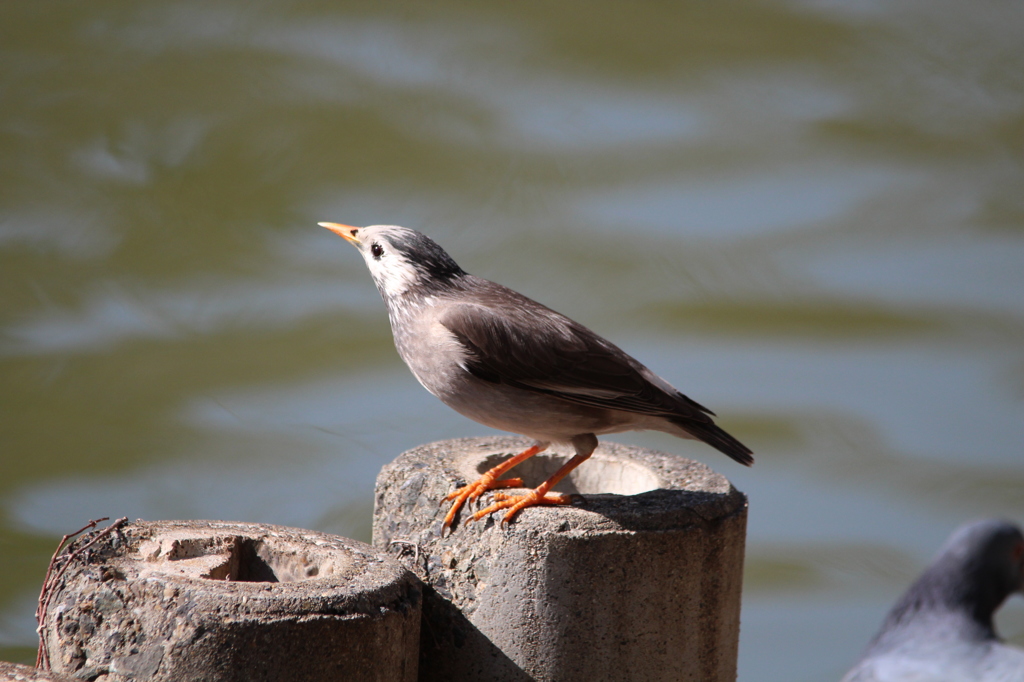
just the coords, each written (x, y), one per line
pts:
(347, 232)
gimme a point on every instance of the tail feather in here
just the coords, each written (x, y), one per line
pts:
(717, 438)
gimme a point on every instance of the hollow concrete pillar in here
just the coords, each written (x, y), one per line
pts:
(216, 601)
(639, 579)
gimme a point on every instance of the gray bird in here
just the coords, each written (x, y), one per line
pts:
(941, 629)
(513, 364)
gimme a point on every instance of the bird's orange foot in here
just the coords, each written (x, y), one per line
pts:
(489, 481)
(474, 490)
(517, 503)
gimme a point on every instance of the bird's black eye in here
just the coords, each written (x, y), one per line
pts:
(376, 250)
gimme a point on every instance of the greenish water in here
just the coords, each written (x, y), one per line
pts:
(808, 216)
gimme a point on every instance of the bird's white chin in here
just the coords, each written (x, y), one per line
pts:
(393, 282)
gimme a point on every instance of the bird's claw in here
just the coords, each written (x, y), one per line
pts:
(472, 492)
(517, 503)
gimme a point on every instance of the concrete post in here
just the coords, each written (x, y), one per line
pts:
(12, 672)
(639, 580)
(216, 601)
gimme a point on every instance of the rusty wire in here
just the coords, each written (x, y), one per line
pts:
(51, 579)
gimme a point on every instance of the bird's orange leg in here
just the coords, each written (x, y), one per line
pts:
(537, 496)
(489, 481)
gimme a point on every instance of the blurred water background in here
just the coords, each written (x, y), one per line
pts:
(809, 216)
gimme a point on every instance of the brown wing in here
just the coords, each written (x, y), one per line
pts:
(514, 340)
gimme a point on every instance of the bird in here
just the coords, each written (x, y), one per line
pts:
(512, 364)
(941, 629)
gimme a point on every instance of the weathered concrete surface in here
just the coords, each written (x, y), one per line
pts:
(13, 672)
(216, 601)
(639, 580)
